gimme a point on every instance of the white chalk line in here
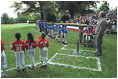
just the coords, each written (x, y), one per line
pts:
(98, 60)
(73, 66)
(35, 30)
(68, 65)
(87, 57)
(10, 69)
(64, 48)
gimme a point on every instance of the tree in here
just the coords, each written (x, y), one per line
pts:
(104, 7)
(20, 20)
(32, 7)
(11, 20)
(44, 8)
(5, 18)
(65, 18)
(50, 7)
(73, 7)
(51, 18)
(41, 9)
(29, 16)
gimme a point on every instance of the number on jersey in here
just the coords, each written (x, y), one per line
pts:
(18, 48)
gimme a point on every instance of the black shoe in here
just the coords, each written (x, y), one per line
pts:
(64, 43)
(18, 70)
(95, 52)
(33, 67)
(23, 69)
(98, 54)
(44, 66)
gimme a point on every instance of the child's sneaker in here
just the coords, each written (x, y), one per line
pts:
(23, 69)
(31, 67)
(18, 70)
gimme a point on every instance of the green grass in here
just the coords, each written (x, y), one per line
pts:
(108, 60)
(76, 61)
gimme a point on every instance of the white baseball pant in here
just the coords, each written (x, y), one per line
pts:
(20, 59)
(44, 55)
(52, 33)
(3, 62)
(87, 37)
(59, 38)
(65, 37)
(56, 35)
(31, 53)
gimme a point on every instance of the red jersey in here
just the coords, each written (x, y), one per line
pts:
(88, 33)
(43, 43)
(30, 45)
(93, 31)
(18, 45)
(39, 38)
(2, 45)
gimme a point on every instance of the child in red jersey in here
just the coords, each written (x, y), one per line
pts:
(43, 45)
(30, 44)
(3, 59)
(19, 47)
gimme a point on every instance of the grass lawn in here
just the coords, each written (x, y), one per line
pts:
(81, 61)
(108, 60)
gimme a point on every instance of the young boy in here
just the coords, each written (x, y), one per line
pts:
(3, 59)
(58, 38)
(19, 47)
(30, 45)
(64, 34)
(43, 45)
(52, 31)
(56, 28)
(49, 30)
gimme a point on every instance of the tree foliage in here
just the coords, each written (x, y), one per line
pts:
(43, 9)
(12, 21)
(51, 18)
(65, 18)
(104, 7)
(5, 18)
(21, 20)
(33, 8)
(74, 7)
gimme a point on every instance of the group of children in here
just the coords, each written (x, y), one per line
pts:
(19, 47)
(58, 32)
(54, 31)
(41, 25)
